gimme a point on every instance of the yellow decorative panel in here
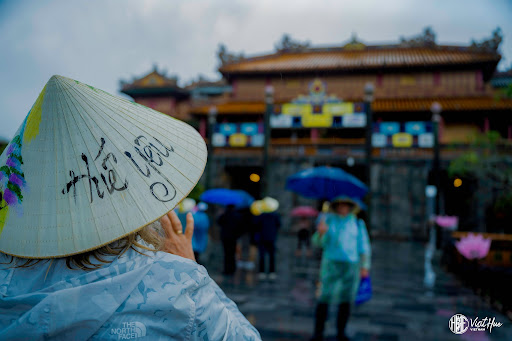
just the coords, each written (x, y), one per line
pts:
(402, 140)
(153, 80)
(338, 108)
(296, 109)
(323, 120)
(238, 140)
(461, 133)
(292, 84)
(407, 80)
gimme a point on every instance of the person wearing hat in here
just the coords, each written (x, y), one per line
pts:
(345, 259)
(90, 247)
(267, 222)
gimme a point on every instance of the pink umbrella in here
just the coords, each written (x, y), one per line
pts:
(473, 246)
(448, 222)
(304, 211)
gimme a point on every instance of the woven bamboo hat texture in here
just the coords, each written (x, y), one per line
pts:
(87, 168)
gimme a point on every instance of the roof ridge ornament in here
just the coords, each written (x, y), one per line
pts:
(426, 39)
(354, 44)
(225, 57)
(288, 44)
(490, 45)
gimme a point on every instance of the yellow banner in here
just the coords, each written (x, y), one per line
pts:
(296, 109)
(337, 109)
(323, 120)
(238, 140)
(402, 140)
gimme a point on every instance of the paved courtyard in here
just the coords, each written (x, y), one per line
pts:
(402, 308)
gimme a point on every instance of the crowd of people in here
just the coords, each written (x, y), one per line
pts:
(338, 231)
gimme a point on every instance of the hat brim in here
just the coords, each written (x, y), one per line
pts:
(87, 168)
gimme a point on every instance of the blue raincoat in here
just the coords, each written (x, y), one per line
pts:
(346, 239)
(346, 249)
(155, 297)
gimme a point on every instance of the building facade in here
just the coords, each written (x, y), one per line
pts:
(318, 116)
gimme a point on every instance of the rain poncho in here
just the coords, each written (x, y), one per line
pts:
(155, 297)
(346, 249)
(346, 239)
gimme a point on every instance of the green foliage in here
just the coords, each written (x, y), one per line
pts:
(489, 162)
(508, 91)
(504, 203)
(196, 192)
(484, 159)
(464, 165)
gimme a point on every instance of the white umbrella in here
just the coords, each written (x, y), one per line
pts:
(87, 168)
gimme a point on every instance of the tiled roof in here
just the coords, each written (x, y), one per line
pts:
(379, 105)
(448, 104)
(154, 84)
(153, 79)
(232, 108)
(206, 83)
(339, 59)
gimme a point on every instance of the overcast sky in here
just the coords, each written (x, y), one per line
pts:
(100, 42)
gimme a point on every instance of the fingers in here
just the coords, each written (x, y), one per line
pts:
(189, 229)
(166, 225)
(171, 224)
(175, 222)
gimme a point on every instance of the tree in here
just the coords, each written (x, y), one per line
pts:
(489, 163)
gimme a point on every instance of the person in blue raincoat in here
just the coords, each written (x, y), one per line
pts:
(120, 291)
(345, 259)
(201, 226)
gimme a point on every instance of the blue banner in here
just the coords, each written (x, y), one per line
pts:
(389, 128)
(249, 129)
(227, 128)
(415, 128)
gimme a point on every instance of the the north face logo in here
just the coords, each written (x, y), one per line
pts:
(129, 330)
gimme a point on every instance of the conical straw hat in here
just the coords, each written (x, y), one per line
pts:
(269, 205)
(87, 168)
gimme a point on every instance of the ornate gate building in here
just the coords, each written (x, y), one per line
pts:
(311, 104)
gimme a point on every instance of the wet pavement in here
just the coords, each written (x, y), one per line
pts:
(402, 308)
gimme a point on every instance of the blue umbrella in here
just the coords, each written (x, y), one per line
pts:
(247, 199)
(224, 196)
(361, 204)
(326, 183)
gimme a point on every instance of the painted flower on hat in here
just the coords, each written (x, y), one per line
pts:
(12, 180)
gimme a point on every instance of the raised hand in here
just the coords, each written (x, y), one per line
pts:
(175, 241)
(322, 227)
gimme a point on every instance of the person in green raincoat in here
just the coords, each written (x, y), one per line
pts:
(345, 259)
